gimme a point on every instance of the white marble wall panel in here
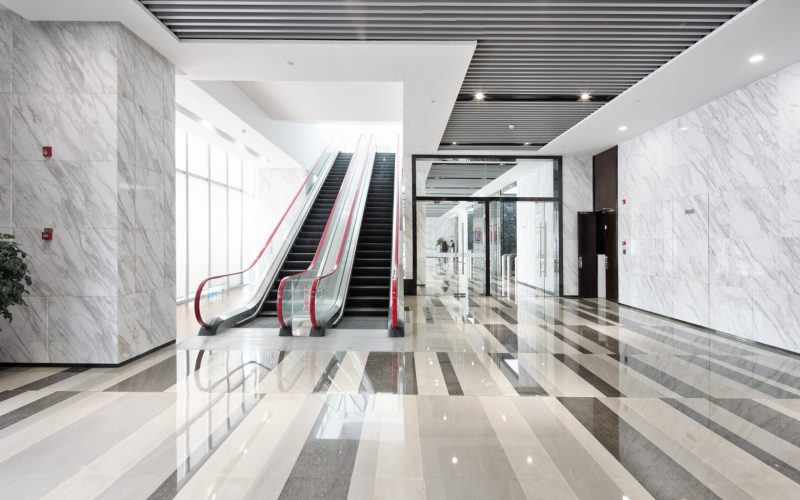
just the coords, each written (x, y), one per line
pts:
(5, 124)
(6, 200)
(576, 184)
(24, 339)
(103, 288)
(7, 21)
(730, 172)
(88, 317)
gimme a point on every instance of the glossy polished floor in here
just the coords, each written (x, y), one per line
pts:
(484, 398)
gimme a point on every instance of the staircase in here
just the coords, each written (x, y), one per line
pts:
(369, 290)
(302, 252)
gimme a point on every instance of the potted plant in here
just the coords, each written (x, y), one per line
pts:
(14, 277)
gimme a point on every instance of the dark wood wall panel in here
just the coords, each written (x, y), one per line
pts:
(604, 172)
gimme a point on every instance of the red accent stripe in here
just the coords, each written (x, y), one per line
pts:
(398, 166)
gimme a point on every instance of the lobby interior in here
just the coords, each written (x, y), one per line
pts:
(400, 250)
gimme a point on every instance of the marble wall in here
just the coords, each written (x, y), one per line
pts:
(712, 220)
(576, 175)
(103, 288)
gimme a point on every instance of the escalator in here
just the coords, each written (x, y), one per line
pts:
(369, 288)
(305, 244)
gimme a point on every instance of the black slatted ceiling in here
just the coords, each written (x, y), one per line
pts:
(557, 48)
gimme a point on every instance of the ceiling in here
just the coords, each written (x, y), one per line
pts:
(533, 59)
(328, 101)
(432, 73)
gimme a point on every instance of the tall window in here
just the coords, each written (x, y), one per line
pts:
(211, 201)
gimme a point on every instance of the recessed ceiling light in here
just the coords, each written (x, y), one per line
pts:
(623, 128)
(527, 144)
(455, 143)
(206, 125)
(479, 96)
(586, 96)
(756, 58)
(684, 129)
(511, 127)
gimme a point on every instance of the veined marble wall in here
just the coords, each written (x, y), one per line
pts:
(713, 214)
(103, 289)
(576, 179)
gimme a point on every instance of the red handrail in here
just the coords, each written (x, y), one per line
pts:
(197, 314)
(313, 294)
(279, 302)
(396, 252)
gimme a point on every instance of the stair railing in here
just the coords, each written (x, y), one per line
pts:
(293, 304)
(235, 297)
(329, 289)
(396, 295)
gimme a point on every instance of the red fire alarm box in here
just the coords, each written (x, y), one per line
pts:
(47, 151)
(47, 234)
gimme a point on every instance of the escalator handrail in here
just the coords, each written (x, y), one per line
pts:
(340, 252)
(393, 297)
(197, 296)
(282, 286)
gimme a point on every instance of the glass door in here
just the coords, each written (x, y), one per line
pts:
(524, 247)
(476, 248)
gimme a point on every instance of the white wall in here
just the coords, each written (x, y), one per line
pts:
(713, 214)
(576, 175)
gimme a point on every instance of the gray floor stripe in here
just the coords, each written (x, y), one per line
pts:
(449, 374)
(661, 378)
(157, 378)
(326, 462)
(52, 379)
(520, 379)
(654, 469)
(603, 340)
(759, 385)
(589, 376)
(770, 460)
(774, 422)
(34, 407)
(510, 319)
(751, 365)
(170, 487)
(505, 336)
(389, 373)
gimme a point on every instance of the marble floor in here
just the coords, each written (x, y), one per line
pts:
(484, 398)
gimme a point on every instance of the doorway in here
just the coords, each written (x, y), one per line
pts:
(486, 225)
(597, 255)
(525, 246)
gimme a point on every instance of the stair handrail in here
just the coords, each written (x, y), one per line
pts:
(346, 237)
(394, 294)
(317, 173)
(282, 317)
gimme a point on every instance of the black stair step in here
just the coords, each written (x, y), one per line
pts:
(366, 311)
(368, 302)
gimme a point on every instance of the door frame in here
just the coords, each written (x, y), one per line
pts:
(557, 188)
